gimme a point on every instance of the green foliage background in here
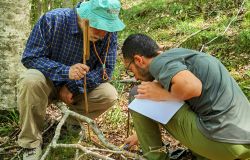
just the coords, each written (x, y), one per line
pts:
(169, 22)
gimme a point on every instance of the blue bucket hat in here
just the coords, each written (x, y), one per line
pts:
(102, 14)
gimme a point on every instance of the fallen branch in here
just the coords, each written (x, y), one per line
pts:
(82, 136)
(122, 152)
(87, 150)
(84, 149)
(128, 80)
(9, 147)
(56, 136)
(17, 154)
(4, 141)
(190, 36)
(50, 126)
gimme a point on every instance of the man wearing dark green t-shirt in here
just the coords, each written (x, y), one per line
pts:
(214, 122)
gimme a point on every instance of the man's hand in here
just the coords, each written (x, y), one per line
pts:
(65, 95)
(131, 140)
(153, 91)
(78, 71)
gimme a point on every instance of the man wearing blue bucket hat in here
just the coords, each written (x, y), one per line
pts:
(103, 15)
(53, 56)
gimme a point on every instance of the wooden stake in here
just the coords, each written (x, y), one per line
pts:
(128, 124)
(86, 54)
(85, 27)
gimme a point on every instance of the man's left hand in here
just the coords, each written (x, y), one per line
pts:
(65, 95)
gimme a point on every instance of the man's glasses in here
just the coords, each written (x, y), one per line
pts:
(128, 71)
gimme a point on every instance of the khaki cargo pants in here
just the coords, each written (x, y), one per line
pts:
(35, 92)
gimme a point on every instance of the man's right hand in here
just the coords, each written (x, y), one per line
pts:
(131, 141)
(65, 95)
(78, 71)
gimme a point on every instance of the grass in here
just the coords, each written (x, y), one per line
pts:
(64, 153)
(118, 75)
(169, 22)
(8, 122)
(115, 117)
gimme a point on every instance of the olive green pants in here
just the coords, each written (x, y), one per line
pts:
(35, 92)
(183, 127)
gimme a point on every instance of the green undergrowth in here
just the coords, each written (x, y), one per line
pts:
(8, 122)
(171, 22)
(115, 117)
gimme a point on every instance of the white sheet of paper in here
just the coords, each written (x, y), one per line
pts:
(160, 111)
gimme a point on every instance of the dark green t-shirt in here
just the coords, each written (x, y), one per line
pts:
(223, 111)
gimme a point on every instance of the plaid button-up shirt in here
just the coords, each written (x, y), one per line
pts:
(56, 43)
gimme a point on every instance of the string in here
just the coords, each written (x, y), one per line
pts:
(104, 71)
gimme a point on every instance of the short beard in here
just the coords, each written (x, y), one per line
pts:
(145, 74)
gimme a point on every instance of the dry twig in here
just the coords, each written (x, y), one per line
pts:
(190, 36)
(240, 9)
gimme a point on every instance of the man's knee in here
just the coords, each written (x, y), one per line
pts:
(106, 93)
(32, 89)
(110, 94)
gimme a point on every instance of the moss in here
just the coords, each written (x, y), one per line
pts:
(242, 41)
